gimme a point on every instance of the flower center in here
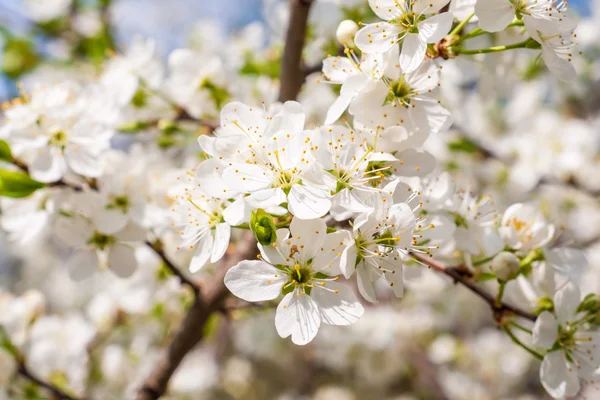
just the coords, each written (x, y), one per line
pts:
(285, 179)
(408, 21)
(119, 202)
(377, 171)
(59, 139)
(399, 92)
(101, 240)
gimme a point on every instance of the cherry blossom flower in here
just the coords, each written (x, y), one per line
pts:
(413, 24)
(303, 266)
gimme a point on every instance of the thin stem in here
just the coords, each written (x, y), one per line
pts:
(474, 33)
(517, 341)
(56, 392)
(157, 247)
(493, 49)
(461, 25)
(498, 302)
(483, 261)
(458, 277)
(521, 327)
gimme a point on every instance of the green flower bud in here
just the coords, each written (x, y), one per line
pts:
(263, 227)
(506, 266)
(591, 304)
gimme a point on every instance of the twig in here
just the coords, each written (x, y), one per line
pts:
(190, 333)
(292, 74)
(158, 249)
(56, 392)
(499, 309)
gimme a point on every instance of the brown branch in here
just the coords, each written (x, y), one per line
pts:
(56, 392)
(158, 249)
(190, 333)
(459, 277)
(292, 74)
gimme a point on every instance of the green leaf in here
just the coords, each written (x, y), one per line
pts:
(463, 145)
(17, 184)
(5, 153)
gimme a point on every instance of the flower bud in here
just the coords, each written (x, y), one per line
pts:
(263, 227)
(506, 266)
(346, 31)
(591, 303)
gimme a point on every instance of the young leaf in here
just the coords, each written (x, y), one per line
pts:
(17, 184)
(5, 153)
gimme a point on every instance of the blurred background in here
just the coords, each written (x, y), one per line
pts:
(423, 347)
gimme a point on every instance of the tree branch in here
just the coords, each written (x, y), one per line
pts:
(56, 392)
(292, 73)
(158, 249)
(190, 333)
(499, 310)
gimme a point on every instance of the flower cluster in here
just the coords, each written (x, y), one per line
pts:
(395, 166)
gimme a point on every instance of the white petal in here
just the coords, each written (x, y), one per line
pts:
(246, 178)
(337, 108)
(561, 68)
(83, 162)
(385, 9)
(203, 253)
(431, 116)
(413, 52)
(48, 166)
(429, 6)
(82, 264)
(350, 89)
(131, 233)
(494, 15)
(290, 118)
(237, 212)
(338, 69)
(109, 221)
(209, 176)
(266, 198)
(306, 202)
(413, 163)
(348, 260)
(328, 256)
(557, 378)
(238, 119)
(341, 308)
(297, 315)
(221, 241)
(435, 28)
(567, 261)
(255, 281)
(73, 231)
(308, 234)
(545, 330)
(365, 285)
(566, 301)
(376, 38)
(121, 260)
